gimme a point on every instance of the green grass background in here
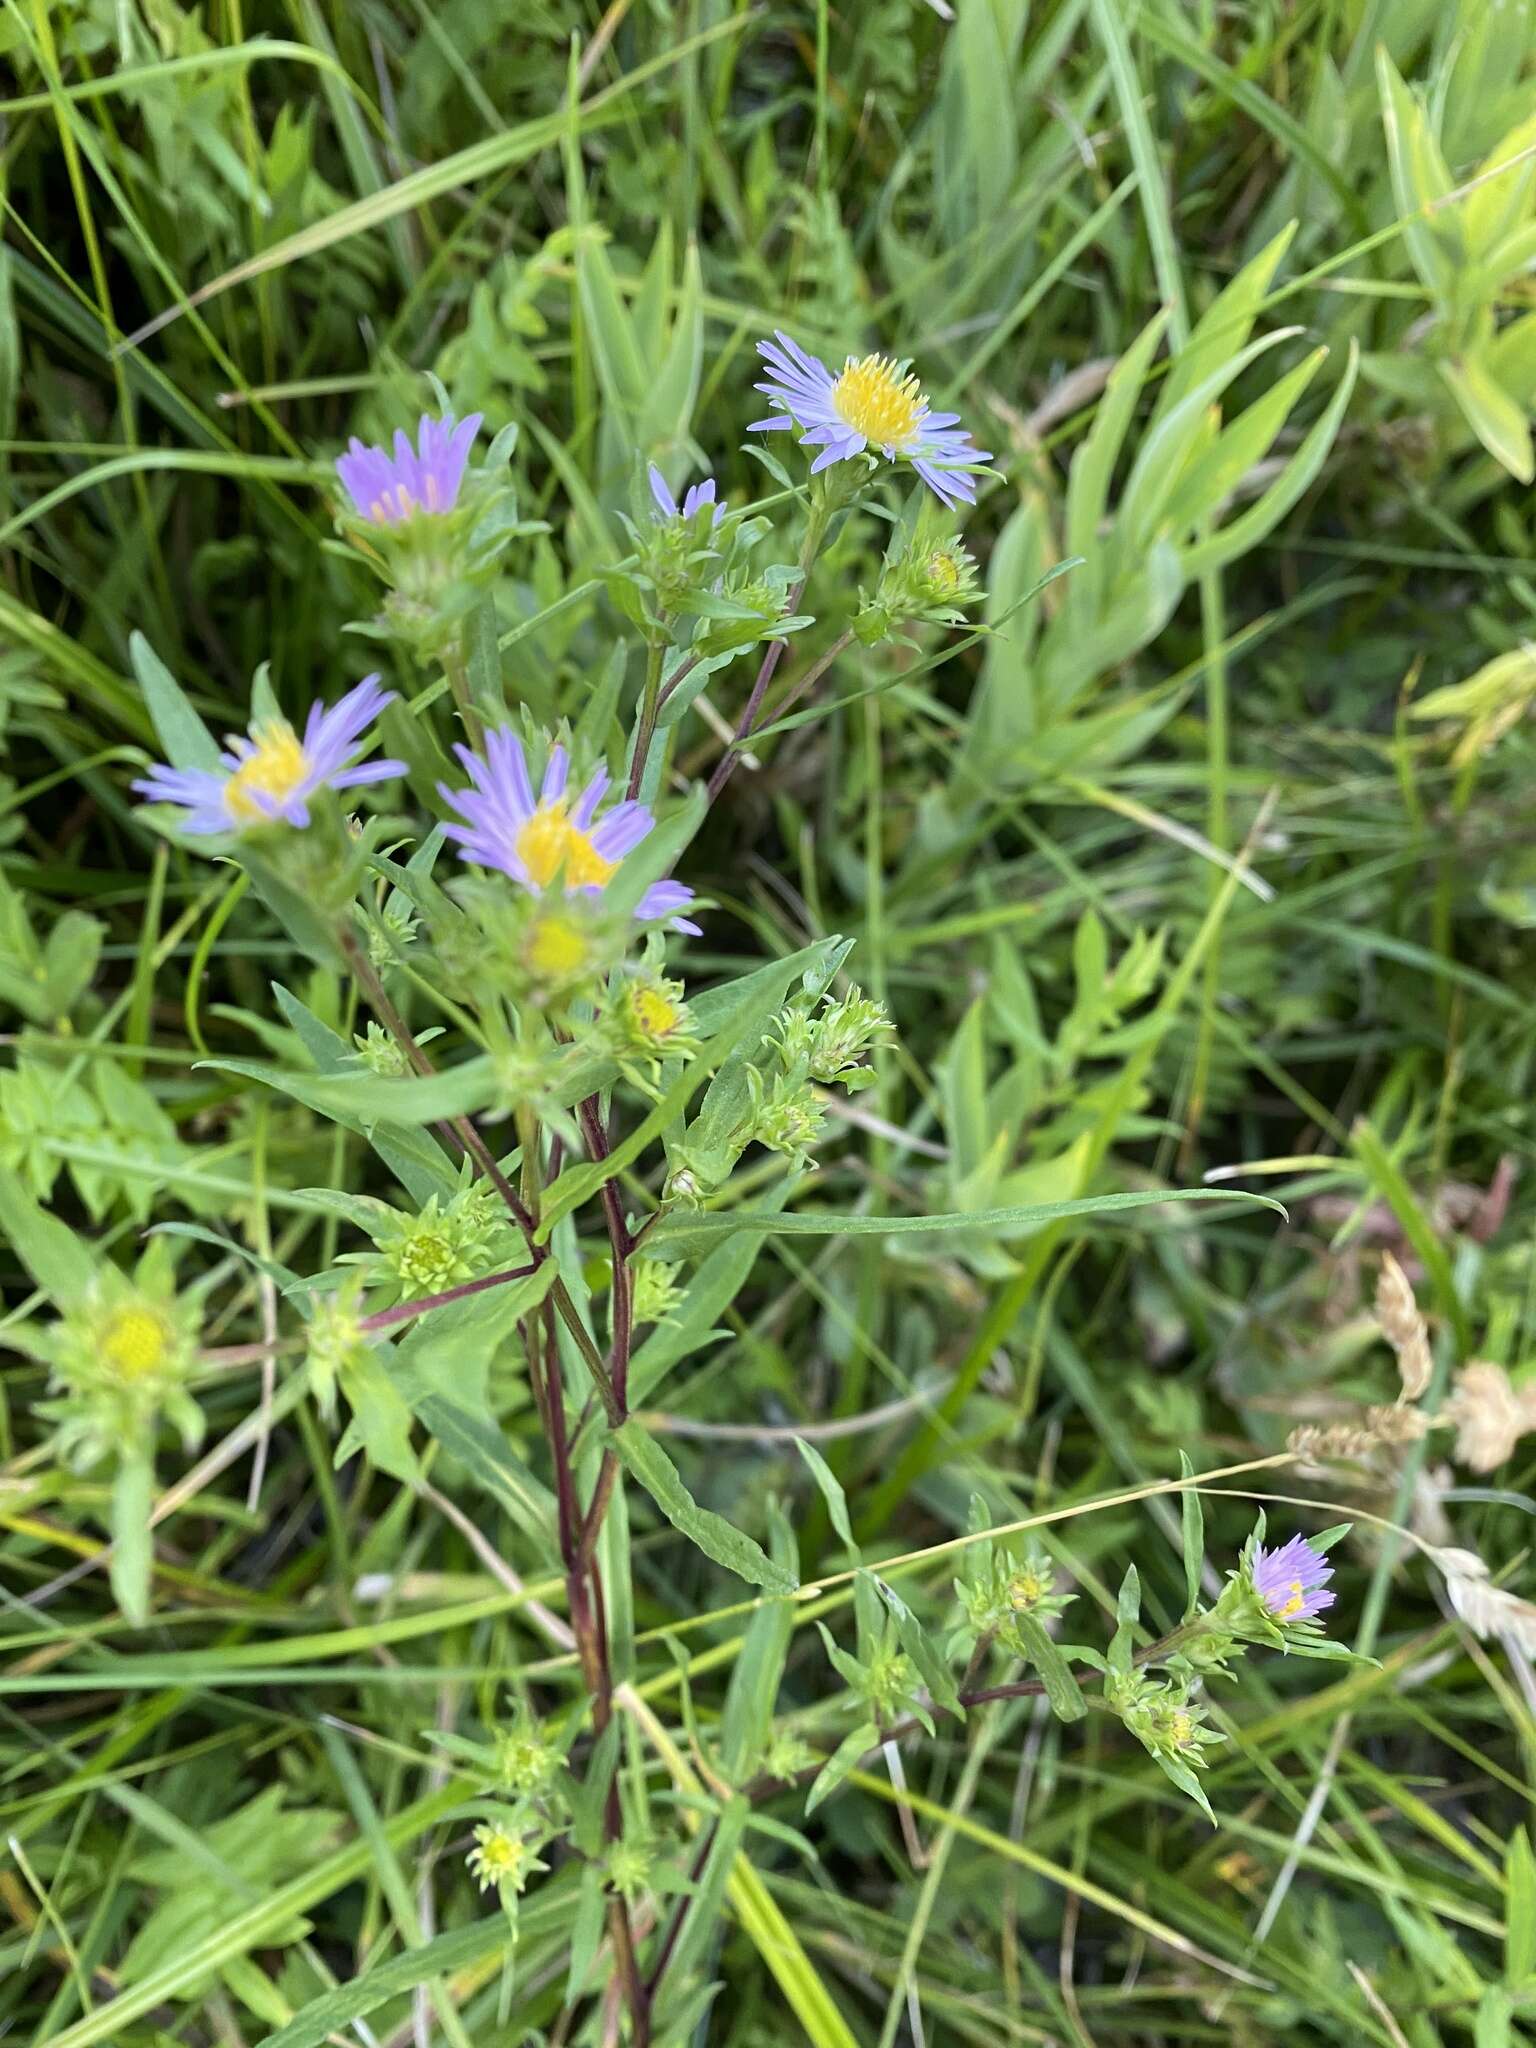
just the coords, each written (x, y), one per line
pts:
(583, 220)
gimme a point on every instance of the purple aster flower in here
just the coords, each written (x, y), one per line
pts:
(534, 839)
(387, 489)
(1291, 1580)
(696, 497)
(272, 773)
(872, 404)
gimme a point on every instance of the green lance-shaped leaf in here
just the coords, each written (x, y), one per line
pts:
(1520, 1942)
(186, 740)
(747, 1717)
(1055, 1673)
(842, 1760)
(645, 1460)
(1194, 1537)
(831, 1488)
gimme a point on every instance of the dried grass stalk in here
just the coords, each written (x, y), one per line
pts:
(1490, 1416)
(1369, 1431)
(1403, 1326)
(1488, 1610)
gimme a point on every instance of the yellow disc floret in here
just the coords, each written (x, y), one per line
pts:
(557, 949)
(873, 398)
(1027, 1587)
(551, 844)
(943, 573)
(134, 1342)
(1294, 1605)
(274, 768)
(655, 1012)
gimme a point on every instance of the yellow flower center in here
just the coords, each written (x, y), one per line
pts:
(556, 949)
(1181, 1728)
(1294, 1605)
(134, 1342)
(1025, 1588)
(499, 1858)
(274, 768)
(878, 402)
(943, 572)
(656, 1014)
(550, 843)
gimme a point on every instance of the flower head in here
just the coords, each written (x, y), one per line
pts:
(269, 775)
(553, 837)
(122, 1356)
(651, 1019)
(1291, 1580)
(502, 1858)
(873, 403)
(695, 498)
(388, 489)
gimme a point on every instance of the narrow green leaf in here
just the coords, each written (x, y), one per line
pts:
(832, 1490)
(1520, 1942)
(646, 1461)
(186, 740)
(1055, 1673)
(133, 1495)
(683, 1234)
(324, 2017)
(1496, 419)
(58, 1259)
(1193, 1515)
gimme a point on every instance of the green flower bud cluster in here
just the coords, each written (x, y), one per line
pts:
(391, 935)
(504, 1858)
(334, 1341)
(785, 1117)
(648, 1021)
(745, 610)
(380, 1053)
(813, 1045)
(545, 949)
(786, 1756)
(444, 1244)
(677, 560)
(523, 1764)
(632, 1869)
(1168, 1722)
(998, 1590)
(833, 1040)
(527, 1763)
(121, 1361)
(656, 1292)
(925, 580)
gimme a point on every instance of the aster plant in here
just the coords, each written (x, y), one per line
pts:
(504, 1010)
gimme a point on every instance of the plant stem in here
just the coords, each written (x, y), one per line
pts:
(460, 1132)
(650, 704)
(813, 675)
(815, 532)
(456, 670)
